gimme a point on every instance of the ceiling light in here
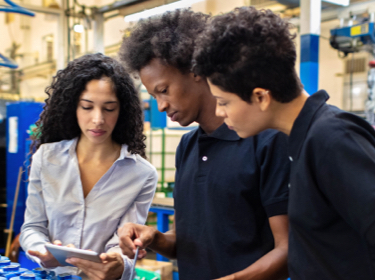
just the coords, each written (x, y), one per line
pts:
(338, 2)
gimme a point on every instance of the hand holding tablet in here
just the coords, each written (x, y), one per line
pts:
(61, 253)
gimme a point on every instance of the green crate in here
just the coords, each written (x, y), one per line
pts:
(143, 274)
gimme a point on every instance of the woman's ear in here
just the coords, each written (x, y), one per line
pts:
(262, 98)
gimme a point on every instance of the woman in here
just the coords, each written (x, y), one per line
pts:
(88, 175)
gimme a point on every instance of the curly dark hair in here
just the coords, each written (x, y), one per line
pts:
(249, 48)
(169, 36)
(58, 121)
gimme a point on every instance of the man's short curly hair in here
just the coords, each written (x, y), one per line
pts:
(249, 48)
(58, 121)
(169, 37)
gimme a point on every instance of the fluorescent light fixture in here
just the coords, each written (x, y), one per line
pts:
(160, 10)
(338, 2)
(78, 28)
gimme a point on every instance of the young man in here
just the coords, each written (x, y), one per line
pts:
(230, 193)
(249, 59)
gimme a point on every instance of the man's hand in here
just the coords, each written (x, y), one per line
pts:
(132, 235)
(47, 259)
(112, 266)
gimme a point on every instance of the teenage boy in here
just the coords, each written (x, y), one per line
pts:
(230, 193)
(249, 57)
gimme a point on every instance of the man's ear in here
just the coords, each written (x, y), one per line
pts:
(196, 77)
(261, 97)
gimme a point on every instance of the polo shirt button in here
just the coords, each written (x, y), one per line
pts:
(289, 185)
(290, 158)
(204, 158)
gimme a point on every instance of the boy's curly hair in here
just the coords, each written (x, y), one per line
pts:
(58, 121)
(170, 37)
(249, 48)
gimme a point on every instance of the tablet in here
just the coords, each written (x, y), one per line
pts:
(61, 253)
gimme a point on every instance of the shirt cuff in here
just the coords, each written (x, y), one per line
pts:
(128, 264)
(278, 208)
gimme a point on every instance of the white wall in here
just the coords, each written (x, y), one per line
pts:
(331, 67)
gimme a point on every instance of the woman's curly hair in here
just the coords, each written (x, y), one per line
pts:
(58, 121)
(169, 37)
(249, 48)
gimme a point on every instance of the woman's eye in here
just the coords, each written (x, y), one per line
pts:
(221, 104)
(86, 108)
(109, 110)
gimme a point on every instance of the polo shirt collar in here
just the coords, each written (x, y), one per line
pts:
(221, 133)
(304, 120)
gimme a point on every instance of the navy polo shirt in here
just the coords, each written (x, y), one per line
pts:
(226, 189)
(332, 194)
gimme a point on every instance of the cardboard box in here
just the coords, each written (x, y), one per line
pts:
(163, 268)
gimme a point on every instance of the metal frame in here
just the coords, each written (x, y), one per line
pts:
(12, 8)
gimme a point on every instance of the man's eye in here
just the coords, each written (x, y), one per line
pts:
(221, 104)
(164, 91)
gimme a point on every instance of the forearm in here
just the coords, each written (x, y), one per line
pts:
(165, 244)
(33, 239)
(271, 266)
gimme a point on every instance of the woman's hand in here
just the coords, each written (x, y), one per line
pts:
(47, 259)
(112, 266)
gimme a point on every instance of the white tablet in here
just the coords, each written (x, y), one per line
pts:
(61, 253)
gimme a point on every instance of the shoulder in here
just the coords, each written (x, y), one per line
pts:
(189, 135)
(187, 138)
(57, 146)
(53, 151)
(270, 137)
(334, 126)
(146, 166)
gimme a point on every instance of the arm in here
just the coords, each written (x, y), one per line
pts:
(114, 264)
(346, 176)
(135, 235)
(273, 265)
(274, 166)
(34, 231)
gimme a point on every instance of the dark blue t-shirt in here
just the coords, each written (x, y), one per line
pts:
(226, 189)
(332, 194)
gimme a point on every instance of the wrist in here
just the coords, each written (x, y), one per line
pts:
(156, 239)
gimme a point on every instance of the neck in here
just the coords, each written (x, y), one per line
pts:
(286, 113)
(87, 151)
(207, 119)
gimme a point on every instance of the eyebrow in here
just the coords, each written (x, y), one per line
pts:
(108, 102)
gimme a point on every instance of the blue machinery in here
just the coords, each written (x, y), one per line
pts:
(20, 115)
(350, 39)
